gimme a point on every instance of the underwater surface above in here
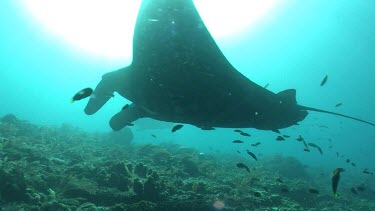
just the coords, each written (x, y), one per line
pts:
(54, 156)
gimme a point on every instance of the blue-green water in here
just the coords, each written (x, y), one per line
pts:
(295, 48)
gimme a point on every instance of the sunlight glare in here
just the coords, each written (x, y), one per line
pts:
(101, 28)
(224, 18)
(104, 29)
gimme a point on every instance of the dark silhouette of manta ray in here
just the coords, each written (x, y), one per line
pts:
(179, 74)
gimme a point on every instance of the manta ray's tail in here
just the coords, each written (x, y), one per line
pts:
(329, 112)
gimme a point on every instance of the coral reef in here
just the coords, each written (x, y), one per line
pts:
(65, 168)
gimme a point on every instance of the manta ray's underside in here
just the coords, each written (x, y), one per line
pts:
(179, 74)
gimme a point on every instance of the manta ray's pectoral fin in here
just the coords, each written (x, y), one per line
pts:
(126, 117)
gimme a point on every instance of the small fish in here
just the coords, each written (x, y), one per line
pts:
(312, 145)
(338, 105)
(305, 166)
(256, 144)
(257, 194)
(306, 150)
(353, 190)
(337, 154)
(300, 138)
(177, 127)
(237, 141)
(361, 188)
(313, 191)
(241, 166)
(238, 151)
(353, 164)
(335, 180)
(316, 146)
(286, 136)
(304, 143)
(280, 180)
(153, 135)
(280, 138)
(276, 131)
(129, 124)
(238, 131)
(365, 171)
(266, 86)
(324, 81)
(84, 93)
(252, 155)
(254, 179)
(284, 190)
(244, 134)
(125, 107)
(347, 160)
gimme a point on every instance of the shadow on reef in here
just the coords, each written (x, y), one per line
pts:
(122, 137)
(65, 168)
(288, 167)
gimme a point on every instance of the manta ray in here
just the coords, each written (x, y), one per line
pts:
(179, 74)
